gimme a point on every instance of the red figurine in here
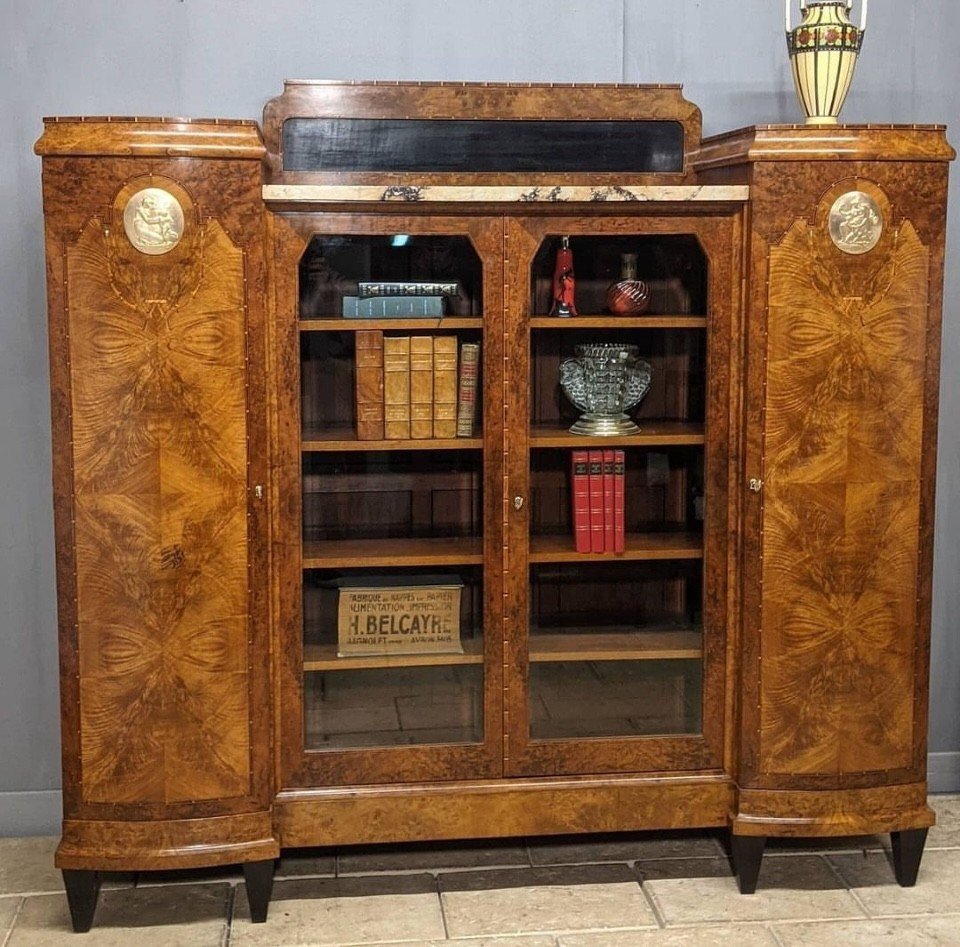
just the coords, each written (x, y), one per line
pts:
(563, 282)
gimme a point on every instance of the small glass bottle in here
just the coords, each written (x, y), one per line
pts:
(628, 296)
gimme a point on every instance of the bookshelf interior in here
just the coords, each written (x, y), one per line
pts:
(402, 509)
(398, 507)
(672, 265)
(620, 632)
(334, 264)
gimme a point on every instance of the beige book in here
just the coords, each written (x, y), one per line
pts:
(445, 386)
(421, 386)
(396, 387)
(369, 384)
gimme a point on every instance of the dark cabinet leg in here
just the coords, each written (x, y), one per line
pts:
(907, 852)
(83, 887)
(259, 880)
(747, 851)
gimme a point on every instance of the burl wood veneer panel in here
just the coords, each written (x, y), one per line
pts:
(496, 809)
(159, 462)
(841, 528)
(158, 378)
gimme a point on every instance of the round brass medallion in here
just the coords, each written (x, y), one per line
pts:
(153, 221)
(856, 222)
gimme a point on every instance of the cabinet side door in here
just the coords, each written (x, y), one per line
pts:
(843, 355)
(155, 272)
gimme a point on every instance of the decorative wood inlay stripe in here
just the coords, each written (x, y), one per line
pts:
(339, 193)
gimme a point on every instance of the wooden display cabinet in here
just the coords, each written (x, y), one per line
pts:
(756, 658)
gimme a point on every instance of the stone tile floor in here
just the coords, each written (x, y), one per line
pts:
(641, 890)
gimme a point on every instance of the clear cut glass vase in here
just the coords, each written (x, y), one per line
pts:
(605, 380)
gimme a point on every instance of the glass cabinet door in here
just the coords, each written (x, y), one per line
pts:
(619, 466)
(392, 612)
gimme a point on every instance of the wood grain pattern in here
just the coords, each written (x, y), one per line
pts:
(494, 809)
(787, 814)
(803, 144)
(150, 137)
(844, 402)
(159, 442)
(124, 845)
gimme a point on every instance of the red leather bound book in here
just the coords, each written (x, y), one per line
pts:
(608, 500)
(619, 475)
(596, 500)
(580, 489)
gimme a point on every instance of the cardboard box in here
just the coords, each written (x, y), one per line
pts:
(379, 616)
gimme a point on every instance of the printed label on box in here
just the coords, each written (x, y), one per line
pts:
(400, 620)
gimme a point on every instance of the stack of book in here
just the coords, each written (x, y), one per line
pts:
(376, 299)
(415, 386)
(597, 490)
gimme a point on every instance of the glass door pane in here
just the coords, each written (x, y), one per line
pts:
(617, 475)
(395, 600)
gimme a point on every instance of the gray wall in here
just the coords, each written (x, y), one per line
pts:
(226, 57)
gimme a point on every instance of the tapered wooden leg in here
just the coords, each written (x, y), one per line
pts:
(907, 852)
(259, 880)
(747, 852)
(83, 887)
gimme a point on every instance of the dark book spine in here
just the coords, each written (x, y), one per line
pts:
(368, 288)
(467, 388)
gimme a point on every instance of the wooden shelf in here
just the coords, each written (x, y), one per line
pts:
(633, 644)
(392, 553)
(559, 548)
(618, 322)
(340, 324)
(652, 434)
(318, 657)
(345, 439)
(545, 647)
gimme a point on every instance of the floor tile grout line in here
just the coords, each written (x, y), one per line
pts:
(432, 870)
(775, 936)
(231, 905)
(528, 851)
(13, 921)
(713, 922)
(43, 893)
(847, 887)
(443, 913)
(651, 900)
(914, 916)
